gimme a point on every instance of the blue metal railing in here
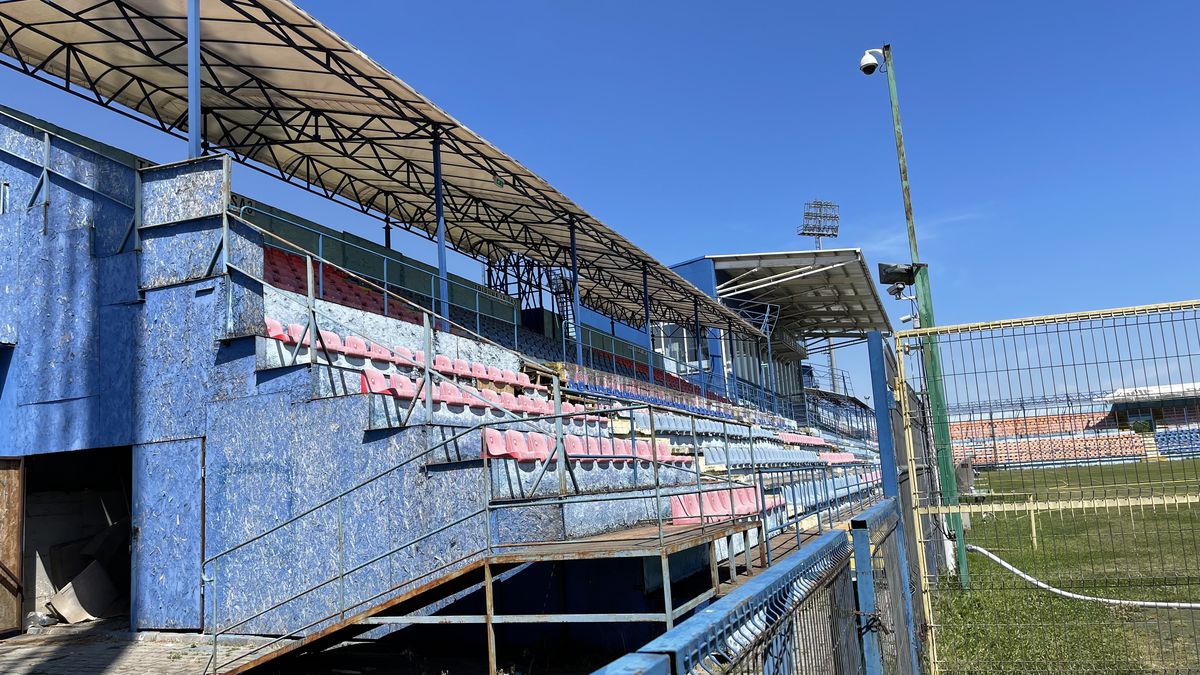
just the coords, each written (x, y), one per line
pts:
(811, 612)
(760, 626)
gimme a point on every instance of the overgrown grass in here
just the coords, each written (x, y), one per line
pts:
(1003, 624)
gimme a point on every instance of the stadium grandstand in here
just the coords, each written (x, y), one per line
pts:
(233, 419)
(1153, 422)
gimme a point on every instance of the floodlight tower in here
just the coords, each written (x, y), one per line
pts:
(821, 219)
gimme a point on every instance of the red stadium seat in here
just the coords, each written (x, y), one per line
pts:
(297, 333)
(508, 377)
(685, 509)
(515, 442)
(472, 398)
(509, 402)
(379, 353)
(443, 364)
(493, 443)
(491, 397)
(642, 450)
(275, 331)
(331, 342)
(356, 346)
(479, 371)
(574, 446)
(537, 446)
(462, 368)
(403, 356)
(450, 394)
(495, 374)
(375, 382)
(402, 386)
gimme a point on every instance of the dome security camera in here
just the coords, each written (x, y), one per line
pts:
(870, 61)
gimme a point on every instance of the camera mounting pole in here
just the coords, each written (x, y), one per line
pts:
(929, 352)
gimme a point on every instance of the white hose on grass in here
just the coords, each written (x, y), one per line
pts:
(1075, 596)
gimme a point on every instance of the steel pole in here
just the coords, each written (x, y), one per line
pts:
(194, 113)
(929, 348)
(646, 313)
(443, 304)
(575, 297)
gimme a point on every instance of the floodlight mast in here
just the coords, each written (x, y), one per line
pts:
(821, 219)
(869, 64)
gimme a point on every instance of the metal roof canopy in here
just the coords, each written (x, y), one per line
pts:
(819, 294)
(284, 94)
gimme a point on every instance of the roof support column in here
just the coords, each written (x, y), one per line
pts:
(730, 368)
(443, 300)
(575, 297)
(699, 361)
(771, 375)
(194, 115)
(646, 314)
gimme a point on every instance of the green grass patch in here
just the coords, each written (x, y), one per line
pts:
(1003, 624)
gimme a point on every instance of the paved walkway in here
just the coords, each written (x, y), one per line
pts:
(106, 647)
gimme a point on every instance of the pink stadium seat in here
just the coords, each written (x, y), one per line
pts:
(743, 499)
(526, 405)
(723, 503)
(296, 332)
(472, 397)
(593, 447)
(713, 507)
(275, 331)
(331, 342)
(443, 364)
(419, 358)
(379, 353)
(462, 368)
(537, 446)
(375, 382)
(479, 371)
(494, 374)
(450, 394)
(491, 397)
(356, 346)
(662, 450)
(403, 356)
(523, 380)
(574, 446)
(493, 443)
(624, 447)
(509, 402)
(685, 509)
(402, 386)
(515, 442)
(508, 377)
(642, 450)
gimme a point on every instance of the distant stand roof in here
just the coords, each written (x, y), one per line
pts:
(284, 94)
(1153, 393)
(816, 295)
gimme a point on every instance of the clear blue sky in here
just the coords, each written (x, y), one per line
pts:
(1052, 146)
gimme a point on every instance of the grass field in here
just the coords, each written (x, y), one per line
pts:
(1003, 624)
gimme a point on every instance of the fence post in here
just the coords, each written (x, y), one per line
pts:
(864, 588)
(889, 475)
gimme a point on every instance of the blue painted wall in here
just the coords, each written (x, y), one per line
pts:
(114, 336)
